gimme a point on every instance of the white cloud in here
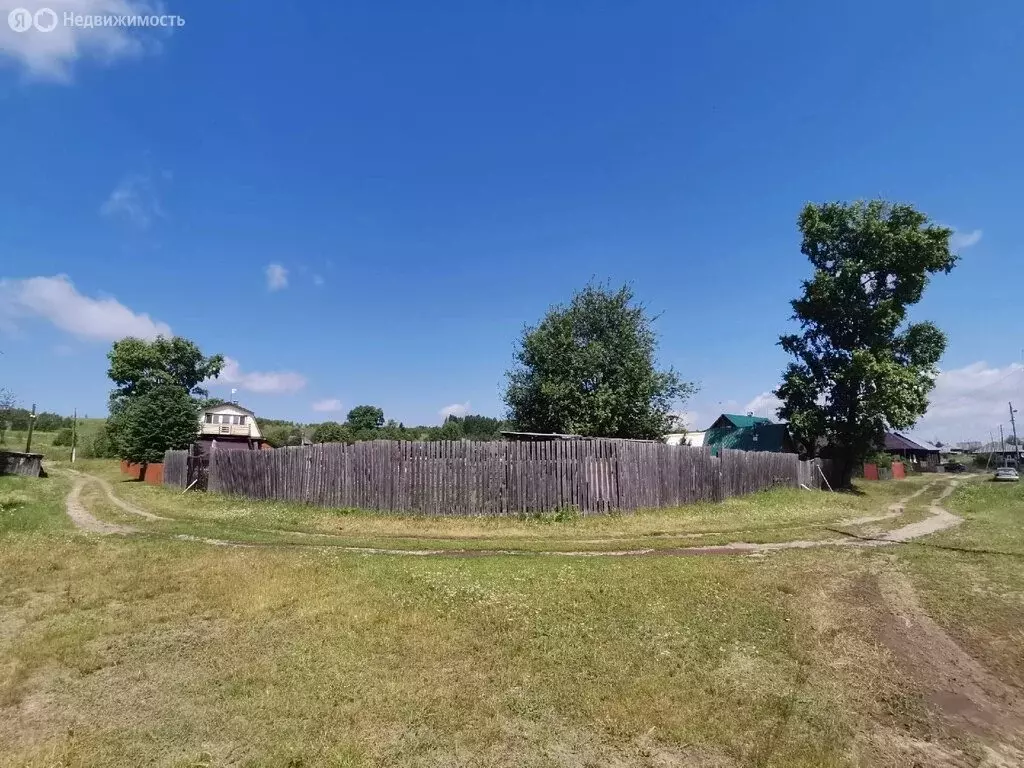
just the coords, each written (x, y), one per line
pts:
(329, 405)
(961, 240)
(52, 55)
(277, 277)
(135, 200)
(318, 280)
(765, 404)
(969, 402)
(56, 299)
(270, 382)
(455, 409)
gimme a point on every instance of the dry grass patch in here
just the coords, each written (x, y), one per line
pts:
(145, 650)
(136, 651)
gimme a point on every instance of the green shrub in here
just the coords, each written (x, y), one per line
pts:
(101, 447)
(880, 459)
(64, 437)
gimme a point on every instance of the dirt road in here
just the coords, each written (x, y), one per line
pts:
(939, 519)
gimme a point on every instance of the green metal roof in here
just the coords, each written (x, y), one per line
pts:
(739, 421)
(760, 436)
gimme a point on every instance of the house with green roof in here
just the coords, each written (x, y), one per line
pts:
(748, 433)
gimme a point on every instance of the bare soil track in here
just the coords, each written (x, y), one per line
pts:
(81, 516)
(955, 685)
(938, 519)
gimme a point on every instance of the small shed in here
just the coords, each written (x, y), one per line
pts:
(919, 453)
(19, 463)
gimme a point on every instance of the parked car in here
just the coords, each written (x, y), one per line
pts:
(1006, 475)
(955, 466)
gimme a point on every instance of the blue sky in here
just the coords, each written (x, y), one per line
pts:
(421, 180)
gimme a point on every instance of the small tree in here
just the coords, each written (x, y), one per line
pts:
(138, 367)
(164, 418)
(280, 433)
(7, 403)
(859, 370)
(102, 446)
(64, 437)
(589, 368)
(364, 417)
(331, 432)
(452, 429)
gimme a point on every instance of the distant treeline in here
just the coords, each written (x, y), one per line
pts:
(17, 419)
(363, 423)
(472, 427)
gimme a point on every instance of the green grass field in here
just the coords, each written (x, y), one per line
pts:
(777, 515)
(42, 442)
(152, 650)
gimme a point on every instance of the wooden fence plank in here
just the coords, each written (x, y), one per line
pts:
(502, 478)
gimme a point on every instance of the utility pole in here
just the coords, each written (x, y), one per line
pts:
(1016, 448)
(31, 426)
(1002, 445)
(74, 435)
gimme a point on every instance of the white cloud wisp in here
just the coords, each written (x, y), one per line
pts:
(329, 405)
(277, 277)
(261, 382)
(455, 409)
(57, 300)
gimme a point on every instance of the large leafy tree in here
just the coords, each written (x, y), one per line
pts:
(166, 417)
(365, 417)
(860, 368)
(332, 432)
(589, 368)
(137, 366)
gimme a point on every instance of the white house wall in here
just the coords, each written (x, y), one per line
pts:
(233, 410)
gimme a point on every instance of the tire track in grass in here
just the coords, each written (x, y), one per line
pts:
(939, 519)
(83, 519)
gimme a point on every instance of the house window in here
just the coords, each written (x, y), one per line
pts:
(241, 419)
(209, 418)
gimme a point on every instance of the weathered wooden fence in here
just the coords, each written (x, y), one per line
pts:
(176, 468)
(500, 478)
(186, 469)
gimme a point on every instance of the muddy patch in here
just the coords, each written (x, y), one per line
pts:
(955, 686)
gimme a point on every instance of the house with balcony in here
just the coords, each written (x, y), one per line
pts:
(229, 426)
